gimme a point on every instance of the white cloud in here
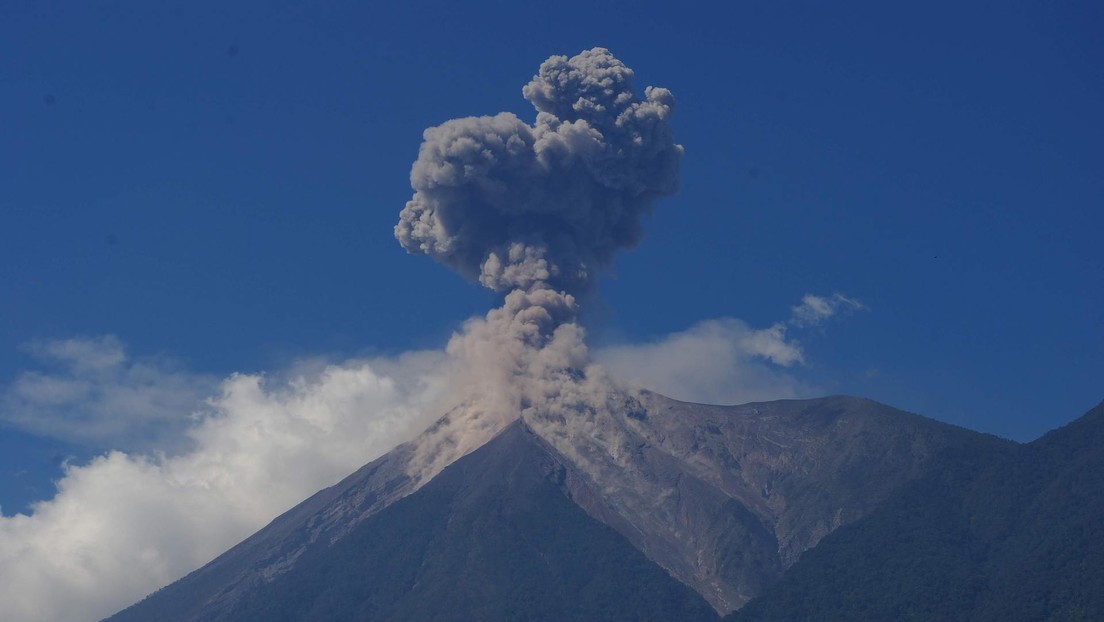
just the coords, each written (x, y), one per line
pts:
(91, 391)
(725, 361)
(814, 310)
(721, 361)
(126, 524)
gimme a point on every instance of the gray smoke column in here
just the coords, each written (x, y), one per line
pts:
(536, 211)
(514, 204)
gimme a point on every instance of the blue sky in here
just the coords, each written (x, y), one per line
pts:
(215, 187)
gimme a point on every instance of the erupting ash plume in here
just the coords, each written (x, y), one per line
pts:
(516, 205)
(536, 211)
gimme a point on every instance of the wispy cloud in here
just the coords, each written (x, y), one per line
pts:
(721, 361)
(815, 310)
(726, 361)
(89, 390)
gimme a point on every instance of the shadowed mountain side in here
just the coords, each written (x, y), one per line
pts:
(1004, 533)
(493, 537)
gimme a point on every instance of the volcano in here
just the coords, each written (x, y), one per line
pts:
(552, 491)
(663, 510)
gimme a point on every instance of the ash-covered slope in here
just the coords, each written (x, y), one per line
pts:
(723, 499)
(726, 498)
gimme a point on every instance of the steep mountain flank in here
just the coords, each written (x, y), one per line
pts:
(207, 593)
(493, 537)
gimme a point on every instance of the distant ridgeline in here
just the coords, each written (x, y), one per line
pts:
(1008, 533)
(829, 509)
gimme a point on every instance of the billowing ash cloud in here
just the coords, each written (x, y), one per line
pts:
(536, 211)
(514, 204)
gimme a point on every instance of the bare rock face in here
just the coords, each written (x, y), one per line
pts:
(723, 498)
